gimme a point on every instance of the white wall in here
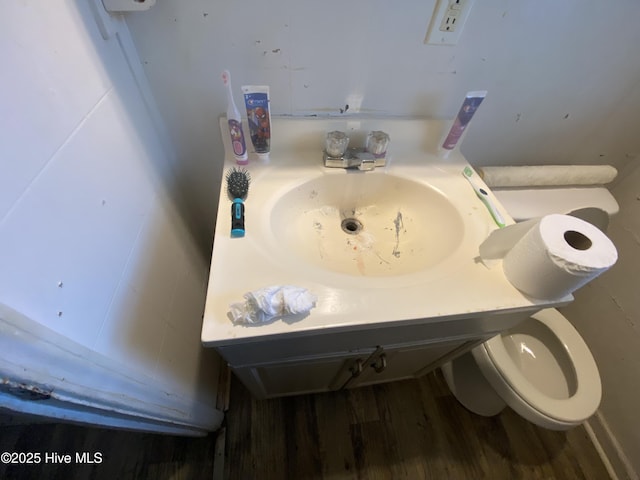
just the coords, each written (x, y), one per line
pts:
(93, 244)
(558, 75)
(606, 312)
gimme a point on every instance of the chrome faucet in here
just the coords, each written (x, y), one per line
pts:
(354, 158)
(337, 155)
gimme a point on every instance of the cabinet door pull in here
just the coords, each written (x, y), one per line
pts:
(356, 368)
(380, 364)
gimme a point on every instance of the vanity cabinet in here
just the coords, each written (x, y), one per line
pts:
(300, 375)
(323, 362)
(390, 363)
(350, 369)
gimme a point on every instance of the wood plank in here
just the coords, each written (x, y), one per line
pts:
(302, 452)
(399, 407)
(361, 405)
(124, 454)
(334, 436)
(413, 429)
(370, 453)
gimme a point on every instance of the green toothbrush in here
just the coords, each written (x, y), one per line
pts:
(484, 196)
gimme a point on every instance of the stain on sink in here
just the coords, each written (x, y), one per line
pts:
(399, 226)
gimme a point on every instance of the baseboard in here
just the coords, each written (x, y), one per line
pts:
(614, 458)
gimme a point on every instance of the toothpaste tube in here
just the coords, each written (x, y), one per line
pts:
(256, 99)
(471, 103)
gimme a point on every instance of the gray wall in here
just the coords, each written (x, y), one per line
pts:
(563, 85)
(93, 244)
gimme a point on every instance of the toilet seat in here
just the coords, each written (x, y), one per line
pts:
(573, 410)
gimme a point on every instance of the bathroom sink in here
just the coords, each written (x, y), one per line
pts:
(373, 225)
(383, 247)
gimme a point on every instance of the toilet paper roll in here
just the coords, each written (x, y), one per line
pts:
(553, 256)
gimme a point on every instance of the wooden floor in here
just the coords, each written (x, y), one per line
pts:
(404, 430)
(124, 455)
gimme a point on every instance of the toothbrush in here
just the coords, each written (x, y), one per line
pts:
(484, 196)
(235, 123)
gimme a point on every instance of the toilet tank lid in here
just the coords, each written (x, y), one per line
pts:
(523, 204)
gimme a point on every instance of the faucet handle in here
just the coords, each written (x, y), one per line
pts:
(377, 143)
(336, 144)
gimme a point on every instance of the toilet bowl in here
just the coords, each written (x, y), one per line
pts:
(542, 367)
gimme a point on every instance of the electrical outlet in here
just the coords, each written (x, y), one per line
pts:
(447, 21)
(452, 14)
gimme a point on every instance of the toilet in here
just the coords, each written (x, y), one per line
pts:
(541, 368)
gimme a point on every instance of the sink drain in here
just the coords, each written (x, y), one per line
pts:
(351, 226)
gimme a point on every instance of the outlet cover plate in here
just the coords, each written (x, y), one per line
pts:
(437, 34)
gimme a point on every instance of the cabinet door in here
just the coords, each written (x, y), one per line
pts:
(397, 363)
(301, 376)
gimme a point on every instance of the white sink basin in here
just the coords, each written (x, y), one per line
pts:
(387, 246)
(367, 224)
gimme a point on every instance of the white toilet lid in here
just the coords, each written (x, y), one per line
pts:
(526, 203)
(587, 397)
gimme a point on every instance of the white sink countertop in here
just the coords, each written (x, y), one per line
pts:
(397, 288)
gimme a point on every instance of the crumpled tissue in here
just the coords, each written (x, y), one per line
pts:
(267, 303)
